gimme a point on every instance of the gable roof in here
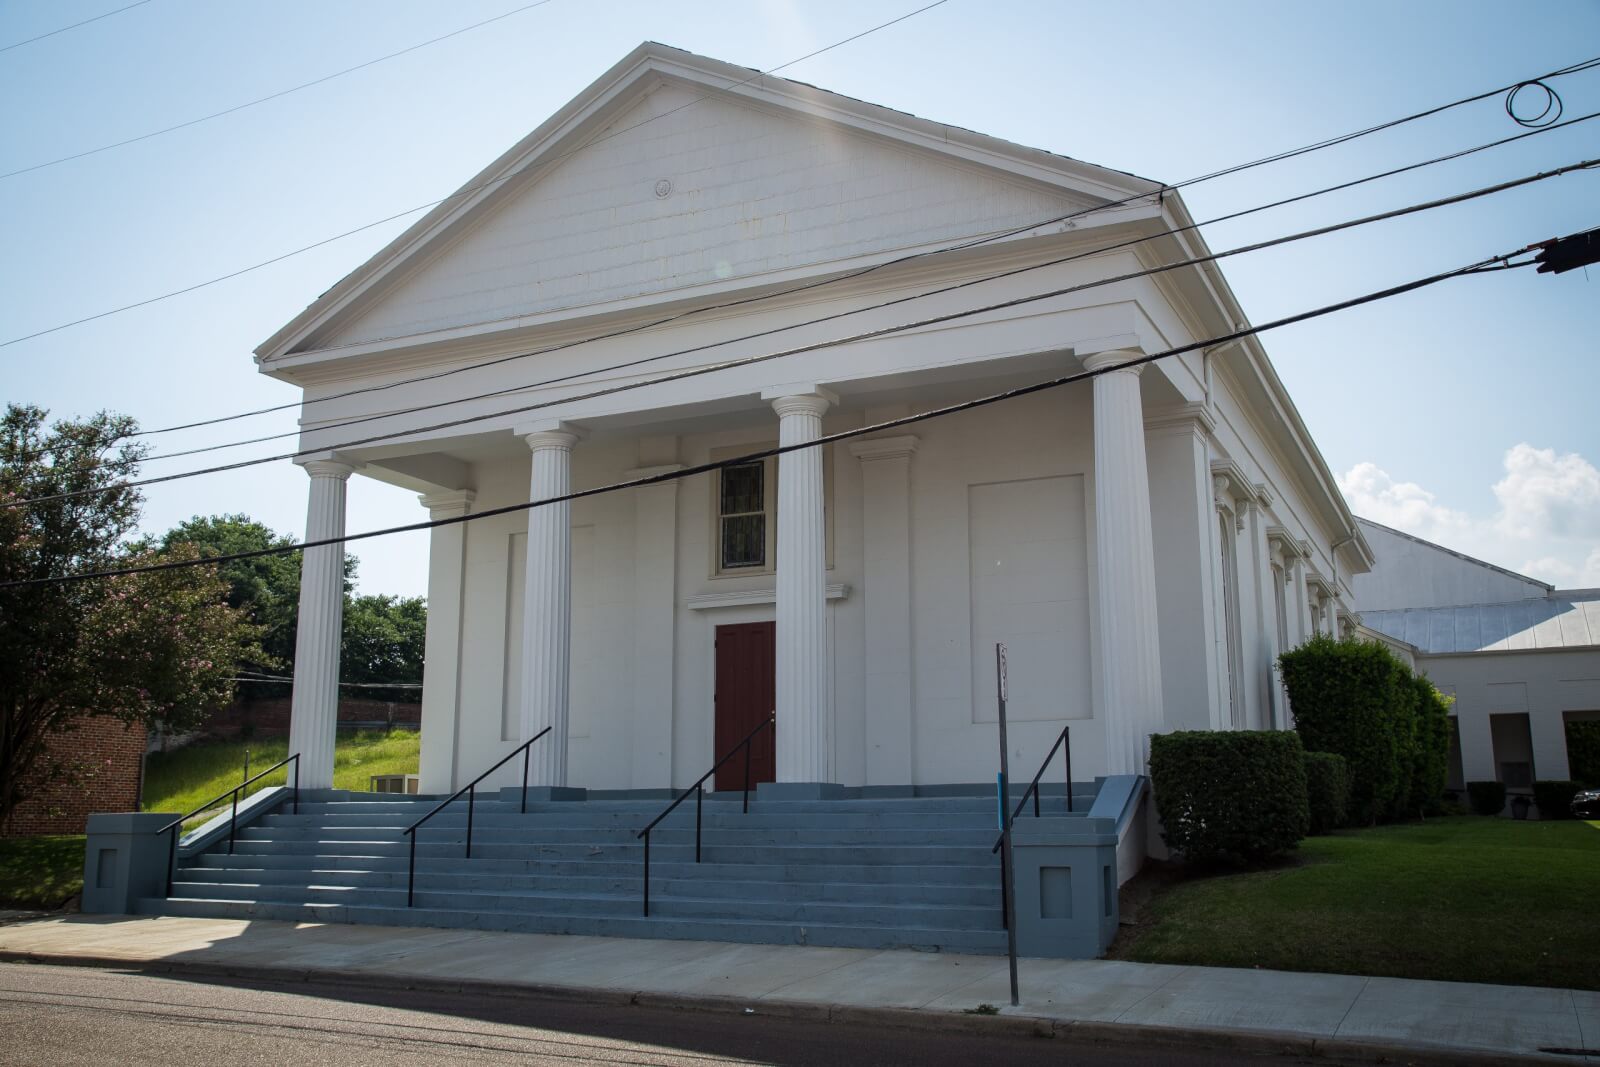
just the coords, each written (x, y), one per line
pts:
(581, 122)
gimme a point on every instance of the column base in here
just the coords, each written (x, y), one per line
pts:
(542, 793)
(799, 791)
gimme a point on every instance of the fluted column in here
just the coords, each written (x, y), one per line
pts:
(441, 681)
(547, 607)
(314, 706)
(804, 740)
(1130, 655)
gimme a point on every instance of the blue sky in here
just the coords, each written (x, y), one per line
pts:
(1464, 413)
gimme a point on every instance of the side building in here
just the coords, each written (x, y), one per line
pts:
(1520, 658)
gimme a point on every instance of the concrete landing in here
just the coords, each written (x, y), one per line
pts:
(1337, 1016)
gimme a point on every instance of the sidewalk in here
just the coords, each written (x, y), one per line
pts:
(1091, 1000)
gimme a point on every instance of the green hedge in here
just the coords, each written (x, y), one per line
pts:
(1355, 698)
(1430, 748)
(1554, 797)
(1583, 752)
(1327, 790)
(1488, 798)
(1230, 795)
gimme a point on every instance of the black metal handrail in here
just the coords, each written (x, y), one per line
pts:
(471, 789)
(233, 821)
(1033, 787)
(699, 792)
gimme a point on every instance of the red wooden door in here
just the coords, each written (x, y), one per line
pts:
(746, 692)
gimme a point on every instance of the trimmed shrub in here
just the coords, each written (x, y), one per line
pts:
(1230, 795)
(1430, 756)
(1583, 751)
(1346, 697)
(1488, 798)
(1554, 797)
(1327, 790)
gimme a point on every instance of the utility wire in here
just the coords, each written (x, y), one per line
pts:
(75, 25)
(270, 96)
(611, 368)
(835, 342)
(492, 183)
(1585, 65)
(1573, 68)
(1492, 263)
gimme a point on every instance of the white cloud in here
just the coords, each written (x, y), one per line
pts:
(1546, 495)
(1549, 514)
(1374, 495)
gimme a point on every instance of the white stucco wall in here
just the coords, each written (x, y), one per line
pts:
(1542, 684)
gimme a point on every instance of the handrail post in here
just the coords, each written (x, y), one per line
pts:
(297, 783)
(647, 874)
(746, 777)
(699, 800)
(527, 750)
(1066, 756)
(233, 822)
(472, 795)
(1005, 874)
(411, 871)
(1035, 788)
(172, 857)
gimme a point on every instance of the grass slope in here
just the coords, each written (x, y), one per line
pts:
(184, 778)
(40, 872)
(1465, 899)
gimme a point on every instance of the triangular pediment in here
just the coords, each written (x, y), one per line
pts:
(673, 187)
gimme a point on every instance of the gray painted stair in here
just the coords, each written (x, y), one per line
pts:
(875, 872)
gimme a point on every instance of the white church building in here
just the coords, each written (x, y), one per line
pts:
(1144, 543)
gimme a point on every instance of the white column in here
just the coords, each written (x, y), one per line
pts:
(1266, 635)
(1302, 599)
(314, 707)
(1130, 655)
(886, 572)
(447, 558)
(655, 584)
(804, 739)
(547, 607)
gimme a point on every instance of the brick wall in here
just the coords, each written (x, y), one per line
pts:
(109, 754)
(270, 718)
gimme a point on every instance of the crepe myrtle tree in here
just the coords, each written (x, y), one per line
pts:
(158, 648)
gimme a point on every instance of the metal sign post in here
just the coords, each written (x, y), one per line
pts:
(1007, 869)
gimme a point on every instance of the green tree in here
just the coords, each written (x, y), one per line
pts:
(159, 648)
(383, 642)
(266, 588)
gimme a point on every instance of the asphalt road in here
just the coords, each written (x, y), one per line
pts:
(77, 1015)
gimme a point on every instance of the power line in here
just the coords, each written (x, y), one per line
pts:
(1492, 263)
(589, 372)
(75, 25)
(1573, 68)
(466, 191)
(867, 335)
(270, 96)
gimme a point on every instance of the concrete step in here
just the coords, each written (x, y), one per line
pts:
(658, 926)
(684, 816)
(731, 852)
(749, 834)
(845, 913)
(689, 885)
(986, 873)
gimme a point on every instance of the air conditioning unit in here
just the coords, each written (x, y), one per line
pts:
(392, 783)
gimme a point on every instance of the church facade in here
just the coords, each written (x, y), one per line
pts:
(689, 267)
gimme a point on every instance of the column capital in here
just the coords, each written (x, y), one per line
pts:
(328, 468)
(562, 439)
(1114, 358)
(449, 503)
(800, 400)
(871, 448)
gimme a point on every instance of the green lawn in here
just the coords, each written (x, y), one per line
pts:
(40, 872)
(1463, 898)
(187, 777)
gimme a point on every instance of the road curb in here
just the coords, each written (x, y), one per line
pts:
(1005, 1023)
